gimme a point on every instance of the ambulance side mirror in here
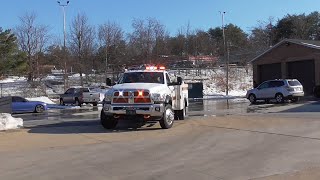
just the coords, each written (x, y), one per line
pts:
(179, 80)
(108, 82)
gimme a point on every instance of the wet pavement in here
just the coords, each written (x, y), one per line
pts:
(200, 107)
(248, 144)
(57, 114)
(218, 107)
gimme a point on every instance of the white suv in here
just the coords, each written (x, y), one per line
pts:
(279, 90)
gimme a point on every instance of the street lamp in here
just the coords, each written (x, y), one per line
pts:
(224, 52)
(63, 6)
(64, 21)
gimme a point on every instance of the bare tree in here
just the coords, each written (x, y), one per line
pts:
(261, 37)
(137, 39)
(186, 36)
(32, 39)
(145, 36)
(82, 36)
(160, 35)
(110, 36)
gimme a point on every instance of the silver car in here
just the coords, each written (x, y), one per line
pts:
(279, 89)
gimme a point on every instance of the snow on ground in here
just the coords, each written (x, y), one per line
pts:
(214, 81)
(42, 99)
(94, 84)
(53, 77)
(13, 79)
(77, 75)
(8, 122)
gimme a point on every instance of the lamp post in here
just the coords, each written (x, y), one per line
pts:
(63, 6)
(224, 52)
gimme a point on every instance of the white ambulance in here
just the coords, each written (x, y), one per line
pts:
(146, 95)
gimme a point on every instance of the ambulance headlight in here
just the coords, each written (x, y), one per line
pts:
(107, 98)
(157, 98)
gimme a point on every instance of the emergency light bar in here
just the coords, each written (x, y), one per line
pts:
(155, 68)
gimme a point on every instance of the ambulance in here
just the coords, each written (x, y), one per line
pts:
(148, 95)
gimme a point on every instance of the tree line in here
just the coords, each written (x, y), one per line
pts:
(29, 48)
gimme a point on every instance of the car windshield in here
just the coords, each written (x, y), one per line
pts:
(18, 99)
(142, 77)
(294, 83)
(84, 90)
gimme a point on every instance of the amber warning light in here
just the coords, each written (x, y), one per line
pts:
(155, 68)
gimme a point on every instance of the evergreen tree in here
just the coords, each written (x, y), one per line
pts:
(11, 59)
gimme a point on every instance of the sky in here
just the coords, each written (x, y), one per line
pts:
(174, 14)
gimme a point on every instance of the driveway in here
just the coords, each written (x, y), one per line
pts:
(257, 145)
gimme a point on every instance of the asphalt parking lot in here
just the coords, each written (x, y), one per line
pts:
(72, 113)
(197, 108)
(219, 140)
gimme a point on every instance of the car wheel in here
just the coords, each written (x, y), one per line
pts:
(167, 119)
(295, 99)
(108, 122)
(39, 108)
(62, 102)
(279, 98)
(252, 98)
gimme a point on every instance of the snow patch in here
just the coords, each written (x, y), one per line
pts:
(8, 122)
(13, 79)
(42, 99)
(52, 77)
(77, 75)
(214, 81)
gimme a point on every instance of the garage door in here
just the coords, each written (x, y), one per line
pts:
(304, 72)
(269, 72)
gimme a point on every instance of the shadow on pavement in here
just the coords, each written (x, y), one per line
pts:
(88, 126)
(309, 107)
(306, 106)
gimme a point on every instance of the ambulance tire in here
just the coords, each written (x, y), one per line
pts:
(181, 114)
(176, 115)
(108, 122)
(167, 119)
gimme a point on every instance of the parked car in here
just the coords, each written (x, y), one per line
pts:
(102, 91)
(20, 105)
(79, 96)
(279, 90)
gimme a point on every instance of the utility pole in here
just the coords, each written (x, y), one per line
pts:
(63, 6)
(224, 54)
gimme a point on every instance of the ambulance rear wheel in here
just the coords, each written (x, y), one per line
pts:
(181, 114)
(176, 114)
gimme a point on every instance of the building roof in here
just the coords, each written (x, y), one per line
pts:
(306, 43)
